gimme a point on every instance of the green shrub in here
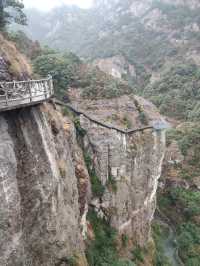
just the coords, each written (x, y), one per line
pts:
(177, 92)
(159, 235)
(79, 130)
(138, 254)
(103, 250)
(178, 16)
(62, 67)
(112, 183)
(100, 85)
(126, 122)
(125, 240)
(143, 118)
(72, 261)
(191, 138)
(65, 111)
(187, 199)
(187, 138)
(97, 188)
(88, 161)
(189, 243)
(31, 49)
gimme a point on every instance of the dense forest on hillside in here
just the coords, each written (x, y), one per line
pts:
(161, 40)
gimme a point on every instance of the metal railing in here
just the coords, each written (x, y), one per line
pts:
(23, 93)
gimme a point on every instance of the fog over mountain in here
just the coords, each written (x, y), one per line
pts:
(151, 36)
(46, 5)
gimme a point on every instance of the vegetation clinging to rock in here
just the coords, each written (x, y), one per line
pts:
(177, 93)
(102, 251)
(62, 67)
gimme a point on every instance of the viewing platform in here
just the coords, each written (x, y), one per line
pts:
(19, 94)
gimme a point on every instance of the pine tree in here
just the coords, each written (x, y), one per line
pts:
(11, 11)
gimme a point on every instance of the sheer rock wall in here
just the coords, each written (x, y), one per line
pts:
(39, 213)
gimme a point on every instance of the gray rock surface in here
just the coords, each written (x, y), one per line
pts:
(39, 209)
(132, 161)
(44, 184)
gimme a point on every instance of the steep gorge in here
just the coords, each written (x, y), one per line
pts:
(56, 165)
(153, 45)
(45, 187)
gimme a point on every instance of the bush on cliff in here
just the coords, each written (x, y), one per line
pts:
(189, 243)
(102, 251)
(97, 85)
(188, 139)
(97, 188)
(62, 67)
(177, 93)
(26, 46)
(160, 234)
(182, 207)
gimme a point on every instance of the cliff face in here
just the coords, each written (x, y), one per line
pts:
(128, 165)
(116, 66)
(134, 163)
(39, 213)
(45, 188)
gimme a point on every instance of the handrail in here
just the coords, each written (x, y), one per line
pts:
(26, 81)
(157, 125)
(17, 94)
(78, 112)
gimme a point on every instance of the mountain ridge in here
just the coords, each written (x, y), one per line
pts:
(143, 42)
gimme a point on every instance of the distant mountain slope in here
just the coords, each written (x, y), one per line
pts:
(135, 28)
(13, 65)
(151, 36)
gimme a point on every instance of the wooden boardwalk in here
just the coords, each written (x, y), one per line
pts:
(19, 94)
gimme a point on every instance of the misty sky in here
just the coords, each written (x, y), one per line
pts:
(48, 4)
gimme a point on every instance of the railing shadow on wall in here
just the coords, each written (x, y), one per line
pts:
(17, 94)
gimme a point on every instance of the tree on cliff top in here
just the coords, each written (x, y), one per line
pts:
(11, 11)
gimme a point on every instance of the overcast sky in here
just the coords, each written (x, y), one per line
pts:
(48, 4)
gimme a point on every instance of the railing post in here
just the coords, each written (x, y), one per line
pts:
(45, 88)
(50, 83)
(6, 97)
(30, 91)
(52, 89)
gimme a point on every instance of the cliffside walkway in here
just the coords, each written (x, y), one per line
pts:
(19, 94)
(157, 125)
